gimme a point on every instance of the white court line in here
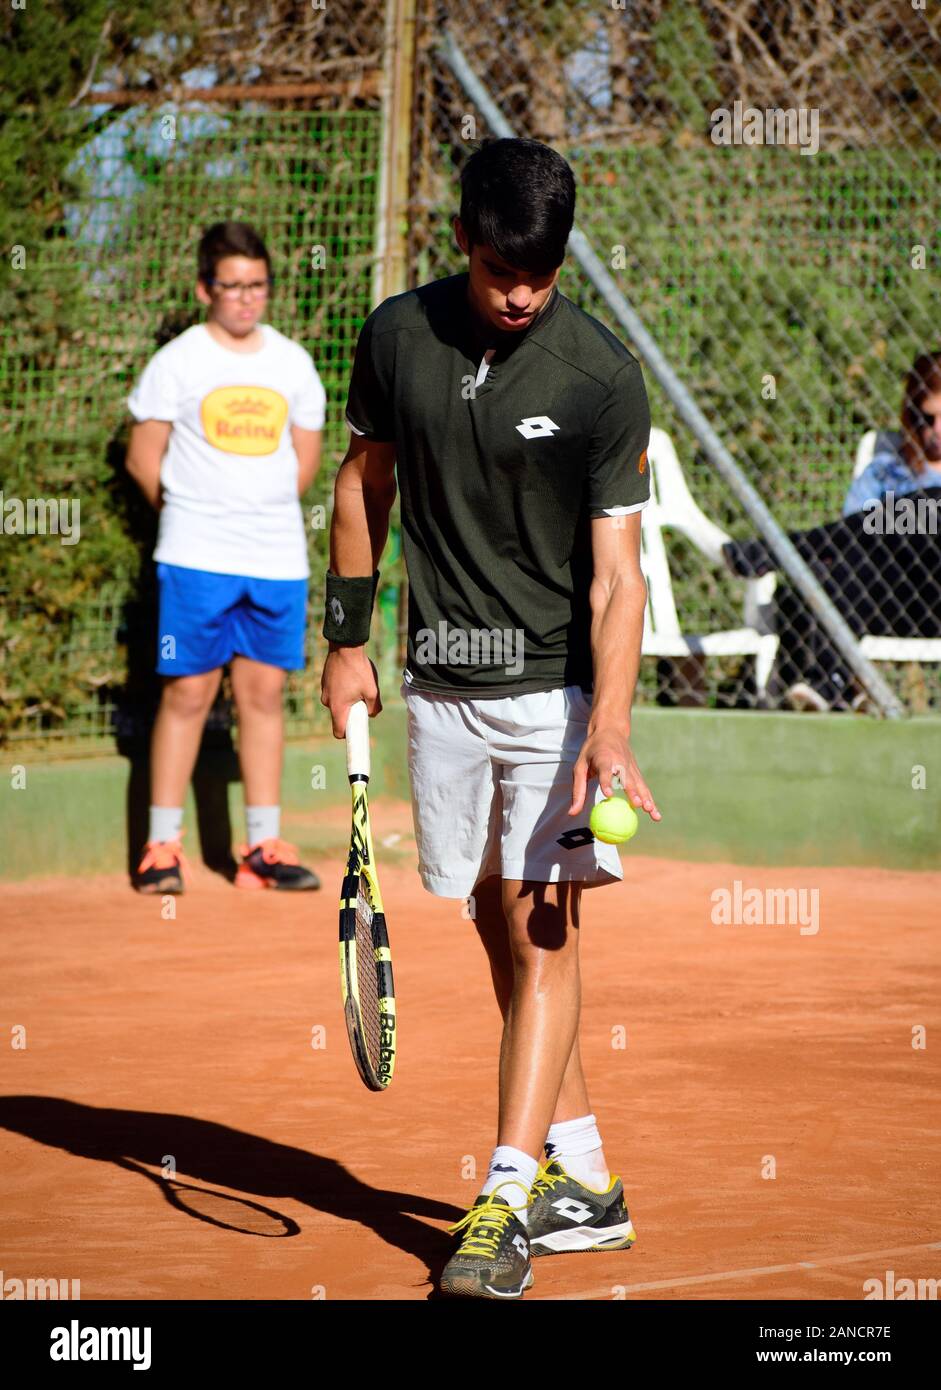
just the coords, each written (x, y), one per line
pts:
(689, 1280)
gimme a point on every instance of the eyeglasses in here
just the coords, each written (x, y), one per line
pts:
(255, 289)
(923, 420)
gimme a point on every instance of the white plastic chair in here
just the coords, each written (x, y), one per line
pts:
(871, 440)
(671, 505)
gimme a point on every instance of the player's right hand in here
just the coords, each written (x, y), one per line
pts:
(348, 675)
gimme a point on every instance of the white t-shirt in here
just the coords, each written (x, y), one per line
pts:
(229, 475)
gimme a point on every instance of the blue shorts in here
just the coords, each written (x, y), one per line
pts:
(205, 619)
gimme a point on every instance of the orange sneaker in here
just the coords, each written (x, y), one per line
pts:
(274, 864)
(160, 870)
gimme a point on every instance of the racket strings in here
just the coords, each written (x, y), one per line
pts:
(367, 976)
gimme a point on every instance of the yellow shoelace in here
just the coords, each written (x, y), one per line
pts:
(545, 1180)
(485, 1225)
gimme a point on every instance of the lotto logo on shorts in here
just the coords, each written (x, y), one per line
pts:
(576, 839)
(244, 419)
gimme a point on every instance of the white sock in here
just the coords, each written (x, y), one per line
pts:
(576, 1144)
(262, 823)
(511, 1170)
(166, 822)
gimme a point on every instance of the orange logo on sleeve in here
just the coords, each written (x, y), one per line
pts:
(642, 462)
(244, 419)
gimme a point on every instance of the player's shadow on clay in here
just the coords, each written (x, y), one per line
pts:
(209, 1153)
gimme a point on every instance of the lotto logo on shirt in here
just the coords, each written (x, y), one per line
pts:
(244, 419)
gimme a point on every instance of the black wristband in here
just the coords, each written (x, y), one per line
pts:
(349, 608)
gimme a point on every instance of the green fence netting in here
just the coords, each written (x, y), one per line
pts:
(76, 631)
(791, 293)
(791, 286)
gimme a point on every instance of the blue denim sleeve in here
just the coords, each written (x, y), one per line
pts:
(882, 474)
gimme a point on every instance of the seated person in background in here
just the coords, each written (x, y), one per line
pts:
(916, 462)
(884, 581)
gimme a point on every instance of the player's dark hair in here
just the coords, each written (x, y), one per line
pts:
(518, 196)
(228, 239)
(923, 380)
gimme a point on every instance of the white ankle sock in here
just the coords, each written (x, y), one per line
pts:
(262, 823)
(517, 1171)
(576, 1144)
(166, 822)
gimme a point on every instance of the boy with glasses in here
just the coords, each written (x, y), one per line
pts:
(227, 437)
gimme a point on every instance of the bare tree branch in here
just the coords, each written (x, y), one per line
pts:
(96, 56)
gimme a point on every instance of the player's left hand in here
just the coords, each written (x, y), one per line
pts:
(606, 754)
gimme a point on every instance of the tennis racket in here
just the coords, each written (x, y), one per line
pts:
(365, 959)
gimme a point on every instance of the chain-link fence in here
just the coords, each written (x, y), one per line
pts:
(153, 181)
(762, 181)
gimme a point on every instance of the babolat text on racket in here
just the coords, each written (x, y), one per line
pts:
(365, 959)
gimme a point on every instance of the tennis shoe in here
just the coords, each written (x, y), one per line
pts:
(160, 868)
(565, 1216)
(492, 1260)
(274, 864)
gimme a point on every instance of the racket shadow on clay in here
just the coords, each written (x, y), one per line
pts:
(215, 1156)
(218, 1208)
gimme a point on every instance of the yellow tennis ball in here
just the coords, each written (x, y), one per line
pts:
(614, 821)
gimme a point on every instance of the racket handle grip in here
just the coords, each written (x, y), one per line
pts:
(357, 740)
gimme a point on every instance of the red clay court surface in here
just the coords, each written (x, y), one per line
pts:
(148, 1038)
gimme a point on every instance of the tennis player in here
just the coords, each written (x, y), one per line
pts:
(227, 436)
(518, 426)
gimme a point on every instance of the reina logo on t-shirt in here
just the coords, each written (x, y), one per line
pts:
(244, 419)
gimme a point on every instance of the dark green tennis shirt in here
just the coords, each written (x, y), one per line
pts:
(506, 445)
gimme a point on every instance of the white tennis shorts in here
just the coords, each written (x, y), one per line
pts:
(491, 784)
